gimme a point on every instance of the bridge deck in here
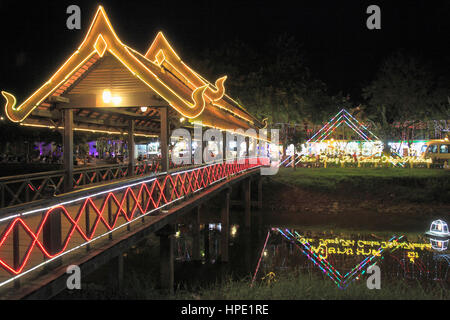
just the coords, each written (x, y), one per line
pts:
(114, 213)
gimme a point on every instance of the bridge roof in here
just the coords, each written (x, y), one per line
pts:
(107, 83)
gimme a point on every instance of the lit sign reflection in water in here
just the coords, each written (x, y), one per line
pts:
(397, 256)
(342, 281)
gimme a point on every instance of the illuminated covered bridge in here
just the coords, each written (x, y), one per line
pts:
(95, 214)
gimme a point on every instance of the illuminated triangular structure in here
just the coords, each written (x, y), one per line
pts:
(343, 117)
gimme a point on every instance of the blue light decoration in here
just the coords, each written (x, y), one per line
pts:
(93, 148)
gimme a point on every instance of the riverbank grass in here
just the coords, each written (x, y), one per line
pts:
(310, 286)
(417, 185)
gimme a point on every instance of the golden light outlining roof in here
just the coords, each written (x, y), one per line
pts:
(160, 69)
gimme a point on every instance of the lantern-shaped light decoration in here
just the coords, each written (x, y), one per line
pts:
(439, 228)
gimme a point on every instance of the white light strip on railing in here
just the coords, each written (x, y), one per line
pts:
(85, 243)
(75, 200)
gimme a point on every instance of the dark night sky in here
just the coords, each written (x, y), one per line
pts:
(341, 50)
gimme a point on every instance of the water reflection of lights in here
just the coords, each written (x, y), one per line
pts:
(439, 244)
(215, 226)
(233, 231)
(342, 281)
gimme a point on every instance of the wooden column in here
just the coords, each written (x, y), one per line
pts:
(196, 256)
(166, 245)
(164, 139)
(247, 202)
(260, 196)
(131, 148)
(224, 147)
(68, 149)
(225, 220)
(247, 146)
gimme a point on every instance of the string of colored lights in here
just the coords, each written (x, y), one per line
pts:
(351, 126)
(366, 261)
(331, 132)
(364, 127)
(335, 122)
(331, 120)
(356, 129)
(309, 253)
(333, 275)
(321, 260)
(340, 123)
(331, 127)
(284, 161)
(295, 157)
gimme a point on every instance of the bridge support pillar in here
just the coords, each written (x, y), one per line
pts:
(246, 237)
(68, 149)
(206, 242)
(225, 220)
(196, 256)
(247, 202)
(131, 148)
(166, 244)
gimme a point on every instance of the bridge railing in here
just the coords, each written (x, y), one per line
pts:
(31, 187)
(38, 233)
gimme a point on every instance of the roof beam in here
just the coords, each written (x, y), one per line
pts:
(134, 100)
